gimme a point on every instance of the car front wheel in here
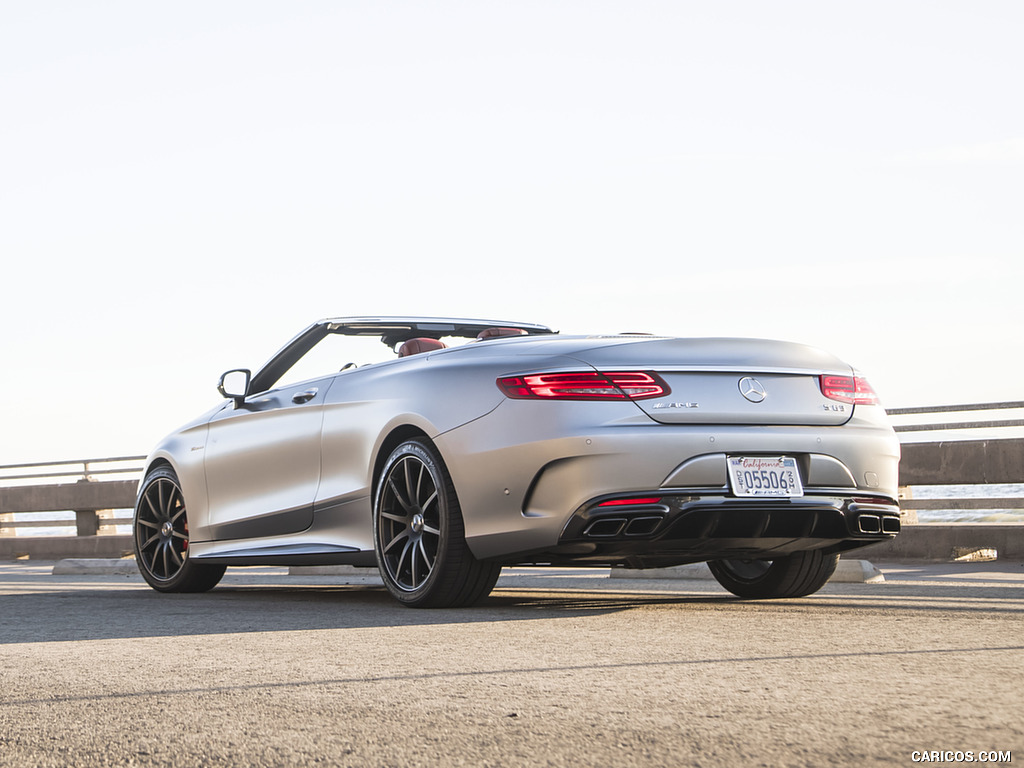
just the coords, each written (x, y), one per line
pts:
(418, 533)
(795, 575)
(160, 531)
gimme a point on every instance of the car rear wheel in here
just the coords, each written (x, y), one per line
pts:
(419, 537)
(793, 576)
(160, 531)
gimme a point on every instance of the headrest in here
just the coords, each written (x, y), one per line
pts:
(418, 345)
(493, 333)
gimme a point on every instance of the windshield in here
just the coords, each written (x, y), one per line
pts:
(333, 353)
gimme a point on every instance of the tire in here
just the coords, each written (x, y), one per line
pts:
(419, 536)
(160, 533)
(796, 575)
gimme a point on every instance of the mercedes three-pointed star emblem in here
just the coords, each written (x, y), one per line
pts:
(752, 389)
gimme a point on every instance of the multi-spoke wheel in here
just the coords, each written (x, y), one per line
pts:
(419, 536)
(795, 575)
(409, 522)
(161, 538)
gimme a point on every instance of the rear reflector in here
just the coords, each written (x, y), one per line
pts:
(848, 389)
(640, 501)
(619, 385)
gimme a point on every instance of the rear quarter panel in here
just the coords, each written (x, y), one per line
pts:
(434, 392)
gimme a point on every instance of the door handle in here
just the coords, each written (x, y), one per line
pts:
(304, 397)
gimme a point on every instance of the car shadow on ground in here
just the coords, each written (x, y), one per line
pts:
(106, 614)
(97, 612)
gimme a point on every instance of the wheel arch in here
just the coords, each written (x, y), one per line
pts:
(159, 461)
(154, 462)
(188, 467)
(394, 438)
(452, 576)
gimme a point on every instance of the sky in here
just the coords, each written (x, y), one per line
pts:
(184, 186)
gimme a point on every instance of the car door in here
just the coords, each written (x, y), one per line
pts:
(263, 462)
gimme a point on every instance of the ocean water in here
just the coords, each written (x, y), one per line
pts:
(63, 523)
(994, 514)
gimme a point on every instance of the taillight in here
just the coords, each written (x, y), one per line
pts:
(620, 385)
(848, 389)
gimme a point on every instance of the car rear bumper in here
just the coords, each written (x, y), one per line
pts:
(523, 479)
(683, 527)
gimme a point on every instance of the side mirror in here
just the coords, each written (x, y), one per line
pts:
(235, 384)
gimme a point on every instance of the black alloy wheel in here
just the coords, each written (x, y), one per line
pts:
(160, 532)
(419, 536)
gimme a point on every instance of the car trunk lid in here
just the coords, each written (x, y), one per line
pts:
(730, 381)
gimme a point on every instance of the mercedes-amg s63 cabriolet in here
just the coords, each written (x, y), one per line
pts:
(441, 449)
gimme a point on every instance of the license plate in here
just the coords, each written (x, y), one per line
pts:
(764, 476)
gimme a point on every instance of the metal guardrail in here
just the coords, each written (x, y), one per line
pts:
(968, 452)
(957, 425)
(100, 487)
(52, 470)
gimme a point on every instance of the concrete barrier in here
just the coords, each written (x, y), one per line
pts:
(962, 462)
(944, 542)
(111, 494)
(60, 547)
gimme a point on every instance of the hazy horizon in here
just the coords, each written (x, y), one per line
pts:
(184, 187)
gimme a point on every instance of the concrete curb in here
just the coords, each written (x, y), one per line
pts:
(342, 574)
(847, 572)
(96, 567)
(856, 572)
(690, 571)
(331, 570)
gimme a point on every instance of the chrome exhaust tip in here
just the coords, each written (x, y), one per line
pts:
(869, 524)
(643, 526)
(605, 527)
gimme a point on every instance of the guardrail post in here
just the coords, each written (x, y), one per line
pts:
(6, 530)
(907, 516)
(104, 517)
(87, 521)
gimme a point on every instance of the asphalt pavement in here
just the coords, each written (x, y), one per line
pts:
(556, 668)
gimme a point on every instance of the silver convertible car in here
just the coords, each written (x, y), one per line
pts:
(475, 444)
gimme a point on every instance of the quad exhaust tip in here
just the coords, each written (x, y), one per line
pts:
(887, 524)
(642, 526)
(869, 523)
(606, 527)
(609, 527)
